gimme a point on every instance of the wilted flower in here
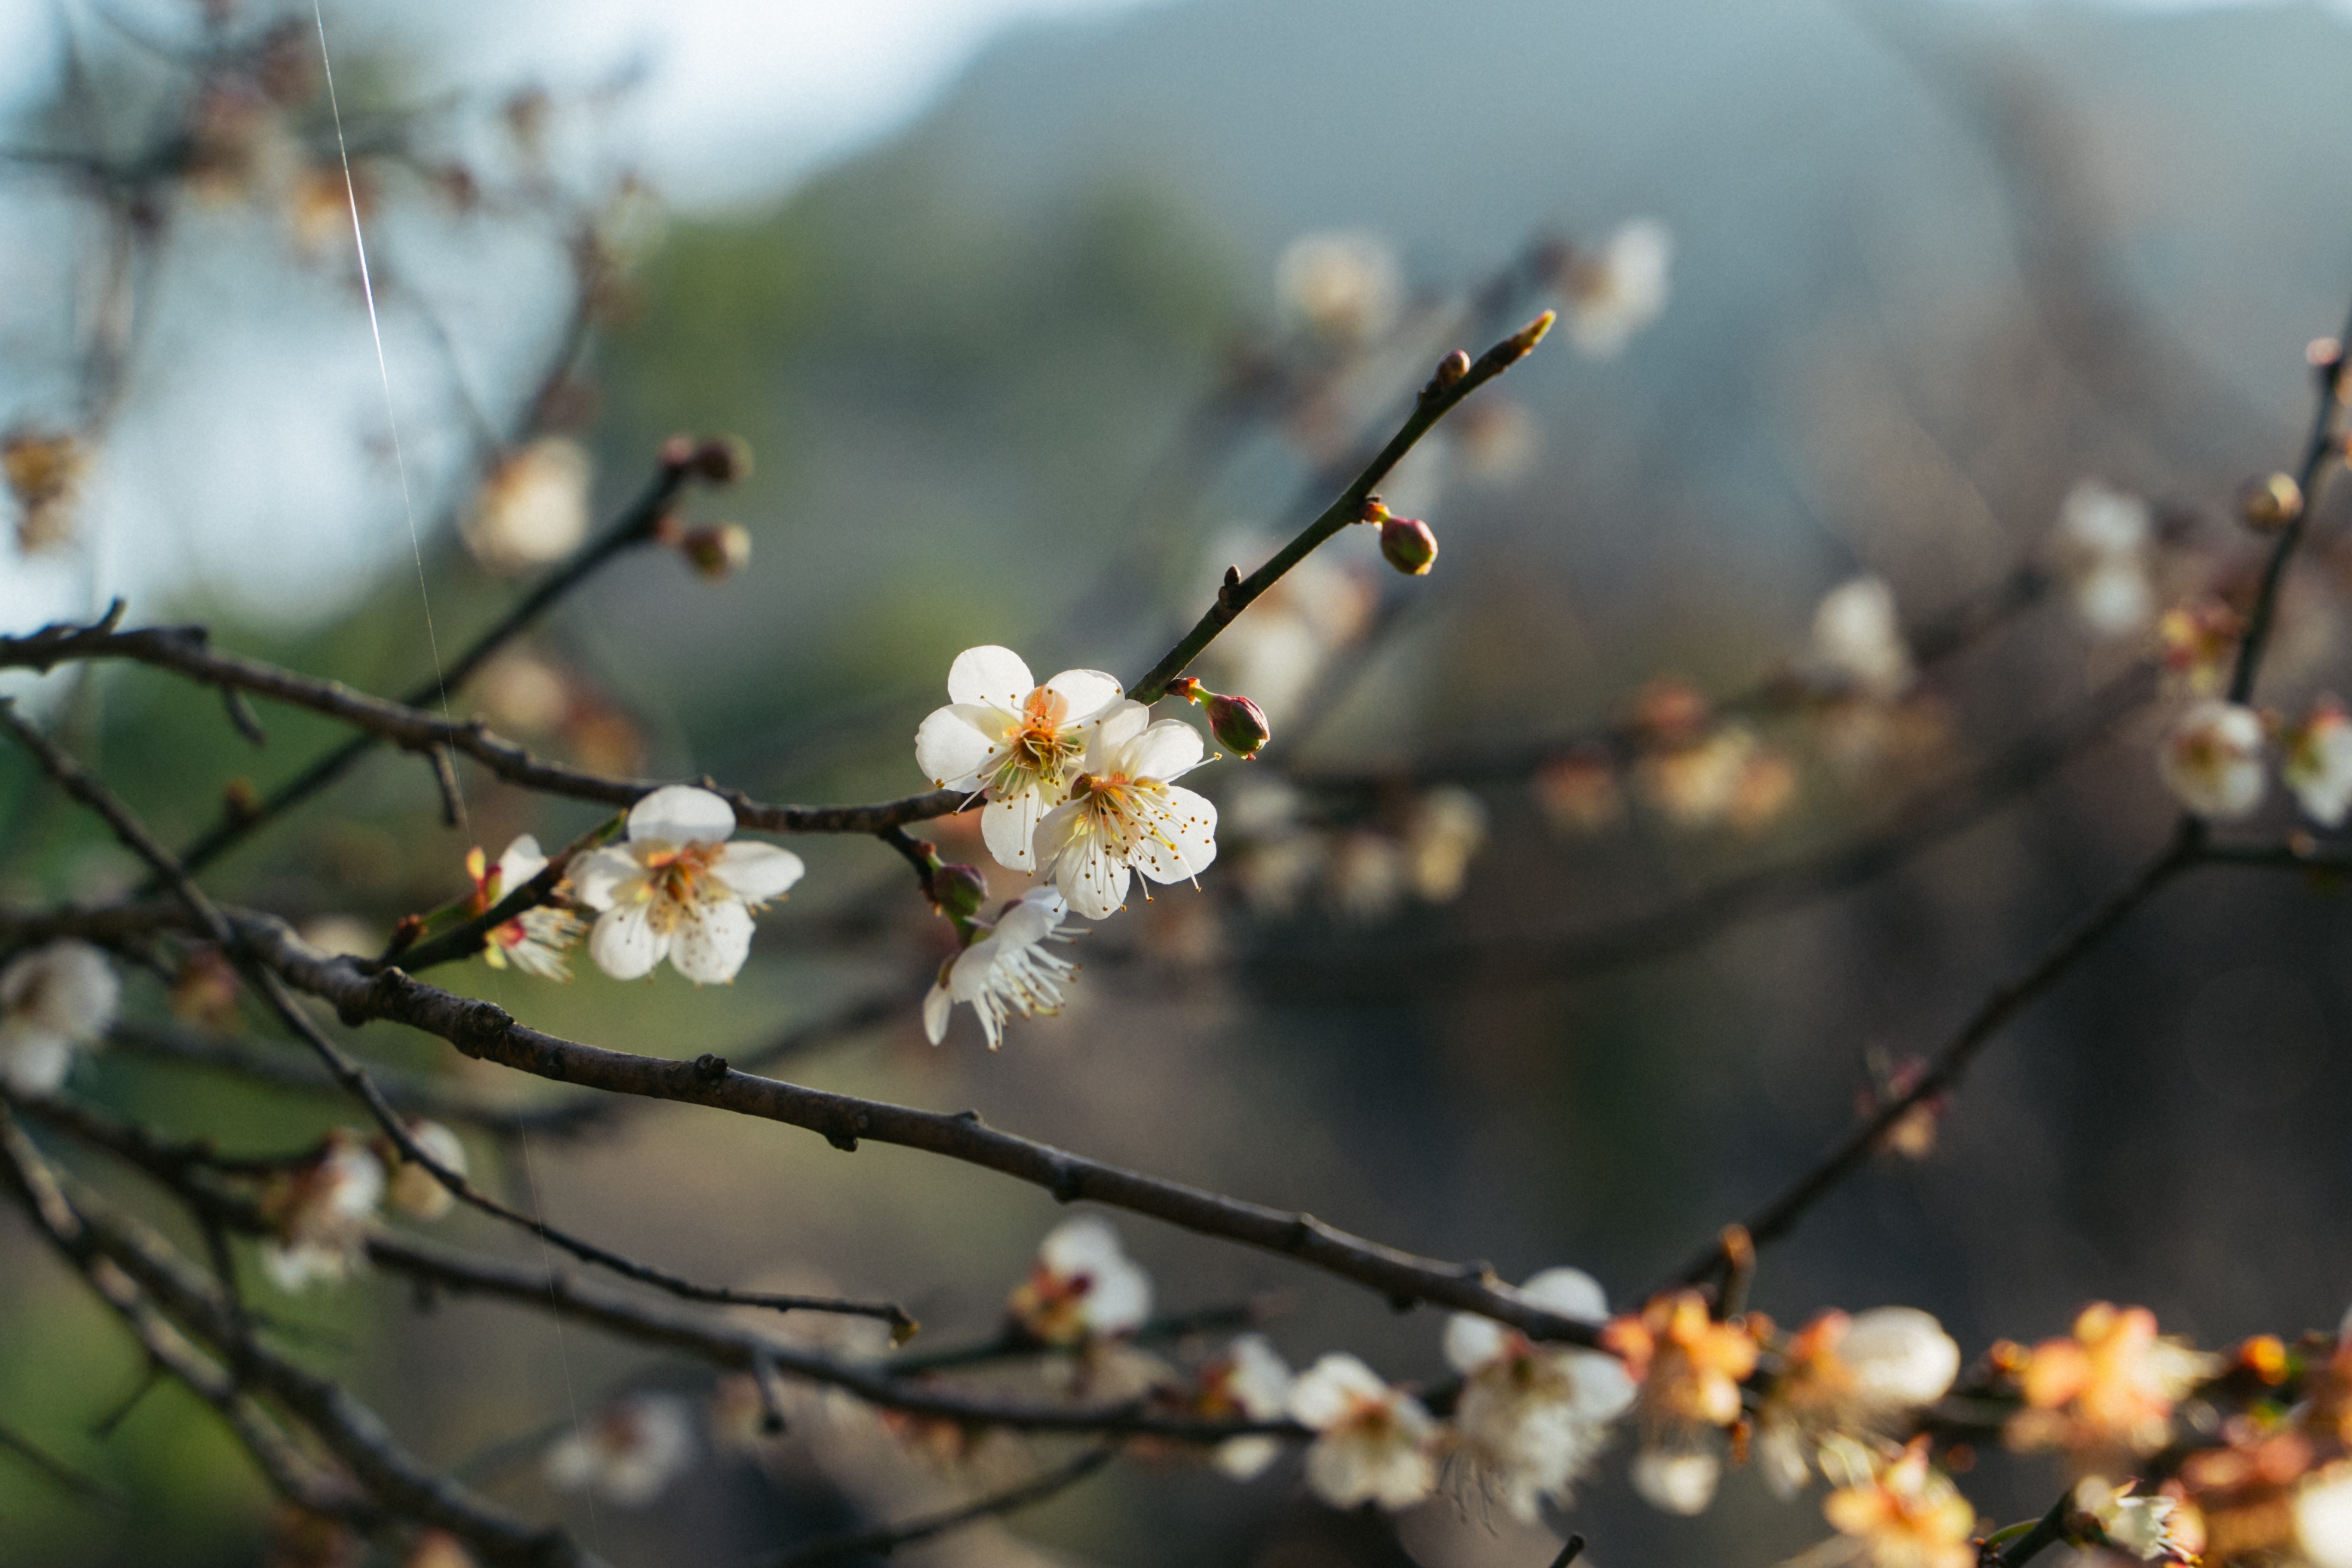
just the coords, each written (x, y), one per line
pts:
(677, 889)
(1342, 286)
(1533, 1416)
(1908, 1516)
(1249, 1380)
(534, 941)
(1615, 292)
(52, 1000)
(1858, 638)
(1013, 740)
(1125, 813)
(629, 1454)
(2104, 537)
(2110, 1386)
(2318, 761)
(532, 507)
(415, 1191)
(1374, 1443)
(2142, 1526)
(1083, 1286)
(2211, 759)
(1006, 972)
(1845, 1375)
(320, 1213)
(44, 470)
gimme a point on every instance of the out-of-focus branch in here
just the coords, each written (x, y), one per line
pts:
(2321, 452)
(884, 1541)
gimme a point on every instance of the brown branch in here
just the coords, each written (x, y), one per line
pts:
(2320, 452)
(884, 1541)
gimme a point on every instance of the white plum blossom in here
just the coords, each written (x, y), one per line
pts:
(1858, 638)
(1003, 735)
(2211, 759)
(1613, 294)
(1251, 1380)
(320, 1213)
(2104, 534)
(1126, 814)
(1006, 972)
(52, 1000)
(1374, 1443)
(1845, 1375)
(2318, 764)
(2141, 1525)
(1083, 1286)
(533, 942)
(1532, 1417)
(629, 1454)
(1900, 1358)
(1341, 285)
(677, 889)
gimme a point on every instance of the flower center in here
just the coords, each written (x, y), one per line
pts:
(680, 874)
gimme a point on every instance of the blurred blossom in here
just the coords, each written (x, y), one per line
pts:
(2212, 759)
(2322, 1517)
(523, 695)
(1008, 971)
(206, 989)
(1274, 873)
(2200, 640)
(1842, 1376)
(1343, 286)
(1677, 1478)
(1497, 438)
(676, 889)
(53, 1000)
(415, 1191)
(1248, 1382)
(1910, 1515)
(1276, 647)
(1690, 1368)
(44, 470)
(319, 1214)
(1368, 876)
(1374, 1443)
(532, 507)
(1858, 638)
(2108, 1388)
(2318, 761)
(1005, 736)
(2142, 1526)
(1912, 1135)
(1580, 792)
(1534, 1417)
(345, 936)
(2104, 536)
(1448, 826)
(1766, 788)
(1083, 1286)
(1614, 293)
(1702, 785)
(628, 1454)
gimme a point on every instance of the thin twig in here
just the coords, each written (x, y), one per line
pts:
(883, 1543)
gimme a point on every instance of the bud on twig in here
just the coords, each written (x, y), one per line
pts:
(2269, 501)
(958, 891)
(1452, 368)
(677, 452)
(722, 460)
(718, 551)
(1238, 723)
(1408, 544)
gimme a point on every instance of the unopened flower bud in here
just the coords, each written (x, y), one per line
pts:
(1407, 544)
(958, 890)
(722, 460)
(1453, 368)
(718, 551)
(678, 451)
(2269, 501)
(1238, 723)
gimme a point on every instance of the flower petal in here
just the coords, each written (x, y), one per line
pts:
(971, 972)
(989, 674)
(1169, 749)
(1471, 1341)
(625, 943)
(1184, 842)
(521, 862)
(681, 814)
(1571, 1292)
(712, 941)
(1087, 691)
(1123, 723)
(1008, 826)
(955, 745)
(597, 877)
(936, 1005)
(1090, 876)
(758, 871)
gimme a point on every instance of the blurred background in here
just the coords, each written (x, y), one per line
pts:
(1582, 896)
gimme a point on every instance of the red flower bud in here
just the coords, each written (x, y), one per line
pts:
(1238, 723)
(718, 552)
(1407, 545)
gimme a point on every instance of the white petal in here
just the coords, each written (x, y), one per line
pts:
(1570, 1292)
(1678, 1480)
(624, 944)
(972, 970)
(1186, 839)
(1031, 919)
(990, 675)
(1471, 1341)
(1603, 1389)
(1329, 1389)
(681, 814)
(521, 862)
(1091, 878)
(597, 875)
(758, 871)
(1246, 1459)
(936, 1005)
(1087, 691)
(34, 1061)
(956, 745)
(1008, 826)
(712, 941)
(1122, 723)
(1169, 749)
(1900, 1356)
